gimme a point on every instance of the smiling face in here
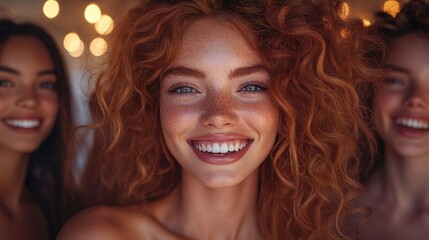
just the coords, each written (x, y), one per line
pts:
(28, 98)
(216, 115)
(401, 107)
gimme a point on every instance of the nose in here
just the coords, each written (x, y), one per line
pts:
(27, 97)
(417, 97)
(219, 110)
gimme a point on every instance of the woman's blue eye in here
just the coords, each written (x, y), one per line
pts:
(5, 83)
(253, 88)
(48, 85)
(184, 90)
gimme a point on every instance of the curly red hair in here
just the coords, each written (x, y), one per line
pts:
(317, 69)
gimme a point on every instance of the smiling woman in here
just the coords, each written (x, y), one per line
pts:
(225, 119)
(397, 191)
(35, 125)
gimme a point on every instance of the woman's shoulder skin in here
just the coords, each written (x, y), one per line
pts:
(112, 223)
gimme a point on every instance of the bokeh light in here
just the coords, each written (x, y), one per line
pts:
(51, 8)
(79, 51)
(98, 46)
(392, 7)
(366, 22)
(92, 13)
(105, 25)
(344, 10)
(71, 42)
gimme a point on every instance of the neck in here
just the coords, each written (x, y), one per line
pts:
(13, 168)
(406, 181)
(200, 212)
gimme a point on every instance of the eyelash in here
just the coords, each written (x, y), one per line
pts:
(393, 81)
(48, 85)
(258, 87)
(182, 89)
(178, 89)
(5, 83)
(51, 85)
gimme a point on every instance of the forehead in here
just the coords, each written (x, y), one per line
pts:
(215, 38)
(410, 51)
(20, 51)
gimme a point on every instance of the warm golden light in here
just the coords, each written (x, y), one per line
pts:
(51, 8)
(344, 10)
(391, 7)
(79, 51)
(105, 25)
(71, 42)
(92, 13)
(366, 22)
(98, 46)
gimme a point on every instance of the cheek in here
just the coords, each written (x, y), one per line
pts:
(264, 116)
(175, 118)
(385, 102)
(50, 105)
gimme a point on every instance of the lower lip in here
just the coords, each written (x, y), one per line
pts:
(220, 158)
(411, 132)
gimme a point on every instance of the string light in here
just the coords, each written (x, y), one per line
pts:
(51, 8)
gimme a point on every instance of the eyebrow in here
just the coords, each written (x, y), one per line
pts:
(244, 71)
(15, 72)
(396, 68)
(185, 71)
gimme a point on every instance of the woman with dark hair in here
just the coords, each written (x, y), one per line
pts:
(226, 120)
(397, 192)
(35, 134)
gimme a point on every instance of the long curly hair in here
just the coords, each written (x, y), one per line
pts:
(319, 83)
(49, 174)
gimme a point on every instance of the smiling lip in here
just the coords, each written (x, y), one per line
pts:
(411, 125)
(220, 149)
(26, 124)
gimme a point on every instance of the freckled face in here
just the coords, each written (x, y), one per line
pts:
(28, 99)
(401, 107)
(216, 115)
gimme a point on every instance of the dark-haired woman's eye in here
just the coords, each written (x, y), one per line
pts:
(393, 81)
(5, 83)
(48, 85)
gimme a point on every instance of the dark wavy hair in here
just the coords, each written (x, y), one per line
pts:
(413, 18)
(319, 80)
(49, 175)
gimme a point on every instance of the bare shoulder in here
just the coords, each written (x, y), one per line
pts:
(111, 223)
(95, 223)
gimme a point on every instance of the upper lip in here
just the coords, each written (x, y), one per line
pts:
(220, 137)
(411, 120)
(414, 116)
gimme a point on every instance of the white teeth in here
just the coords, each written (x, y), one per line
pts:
(216, 148)
(220, 147)
(412, 123)
(23, 123)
